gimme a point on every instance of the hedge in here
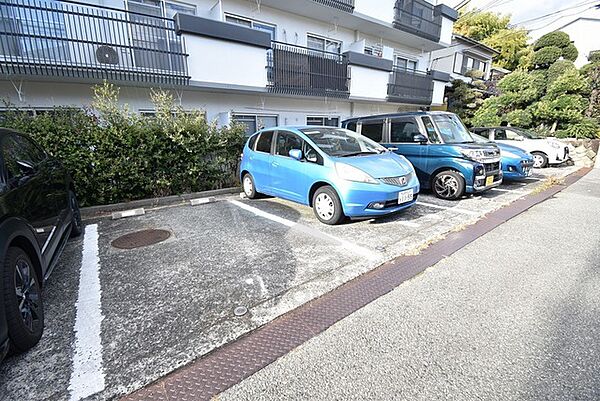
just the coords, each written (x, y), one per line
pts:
(546, 55)
(557, 38)
(115, 155)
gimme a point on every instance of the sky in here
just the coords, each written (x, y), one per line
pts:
(523, 10)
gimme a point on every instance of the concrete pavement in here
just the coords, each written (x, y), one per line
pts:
(514, 315)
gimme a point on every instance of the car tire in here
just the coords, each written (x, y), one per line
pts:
(327, 206)
(24, 309)
(448, 185)
(76, 226)
(248, 186)
(540, 160)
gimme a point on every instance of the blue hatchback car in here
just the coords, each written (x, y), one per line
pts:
(516, 163)
(335, 171)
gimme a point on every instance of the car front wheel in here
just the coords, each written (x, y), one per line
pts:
(22, 301)
(327, 206)
(448, 185)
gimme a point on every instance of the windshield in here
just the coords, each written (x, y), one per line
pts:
(451, 128)
(527, 134)
(340, 142)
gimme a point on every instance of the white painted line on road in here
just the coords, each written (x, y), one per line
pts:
(87, 377)
(454, 209)
(356, 249)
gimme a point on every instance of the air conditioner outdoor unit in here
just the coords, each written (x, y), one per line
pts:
(107, 55)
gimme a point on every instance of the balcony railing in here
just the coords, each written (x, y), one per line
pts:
(408, 86)
(79, 40)
(302, 71)
(417, 17)
(344, 5)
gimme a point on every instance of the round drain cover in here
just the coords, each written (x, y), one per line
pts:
(141, 238)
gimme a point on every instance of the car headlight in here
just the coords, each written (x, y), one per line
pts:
(474, 154)
(350, 173)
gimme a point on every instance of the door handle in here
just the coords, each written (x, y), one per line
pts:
(274, 164)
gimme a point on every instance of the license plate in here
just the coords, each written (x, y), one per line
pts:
(489, 180)
(405, 196)
(527, 172)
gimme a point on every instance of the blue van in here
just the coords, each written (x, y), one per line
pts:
(335, 171)
(445, 156)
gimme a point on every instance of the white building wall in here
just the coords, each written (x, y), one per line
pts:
(368, 83)
(219, 61)
(438, 93)
(382, 10)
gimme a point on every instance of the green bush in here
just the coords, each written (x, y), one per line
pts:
(558, 38)
(594, 56)
(587, 128)
(546, 55)
(519, 118)
(570, 52)
(115, 155)
(557, 69)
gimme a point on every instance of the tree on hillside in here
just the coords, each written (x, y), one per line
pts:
(493, 30)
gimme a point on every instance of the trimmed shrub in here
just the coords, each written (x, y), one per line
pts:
(115, 155)
(519, 118)
(559, 68)
(546, 55)
(570, 52)
(587, 128)
(558, 38)
(594, 56)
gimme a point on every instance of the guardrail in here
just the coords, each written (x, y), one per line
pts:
(417, 17)
(408, 86)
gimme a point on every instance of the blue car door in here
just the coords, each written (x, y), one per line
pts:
(402, 136)
(261, 162)
(288, 175)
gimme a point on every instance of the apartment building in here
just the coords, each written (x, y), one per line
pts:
(464, 55)
(260, 62)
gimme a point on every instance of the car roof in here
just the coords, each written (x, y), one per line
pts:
(6, 131)
(400, 114)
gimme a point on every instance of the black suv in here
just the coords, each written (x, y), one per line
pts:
(38, 214)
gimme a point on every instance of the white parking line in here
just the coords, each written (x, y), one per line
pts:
(356, 249)
(454, 209)
(87, 377)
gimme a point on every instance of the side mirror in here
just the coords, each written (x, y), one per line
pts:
(419, 138)
(296, 154)
(26, 167)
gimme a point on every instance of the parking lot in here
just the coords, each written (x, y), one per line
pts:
(164, 305)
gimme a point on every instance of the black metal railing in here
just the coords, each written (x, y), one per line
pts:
(80, 40)
(417, 17)
(408, 86)
(344, 5)
(299, 70)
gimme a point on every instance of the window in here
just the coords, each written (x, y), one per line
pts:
(311, 155)
(431, 132)
(451, 128)
(470, 63)
(249, 23)
(506, 134)
(351, 126)
(17, 149)
(374, 50)
(254, 122)
(403, 130)
(338, 142)
(373, 130)
(264, 142)
(323, 121)
(252, 141)
(406, 64)
(287, 141)
(323, 44)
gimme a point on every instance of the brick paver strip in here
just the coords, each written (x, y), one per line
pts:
(230, 364)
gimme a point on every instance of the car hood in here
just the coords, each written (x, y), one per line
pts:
(514, 150)
(383, 165)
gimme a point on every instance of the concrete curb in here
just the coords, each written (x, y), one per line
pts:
(101, 210)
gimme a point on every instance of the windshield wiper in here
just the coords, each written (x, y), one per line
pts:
(359, 153)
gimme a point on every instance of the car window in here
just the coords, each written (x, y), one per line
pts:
(252, 141)
(403, 130)
(264, 142)
(15, 149)
(373, 130)
(500, 134)
(512, 135)
(287, 141)
(352, 126)
(431, 132)
(451, 129)
(340, 142)
(310, 154)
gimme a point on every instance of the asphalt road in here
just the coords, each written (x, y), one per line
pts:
(144, 312)
(513, 316)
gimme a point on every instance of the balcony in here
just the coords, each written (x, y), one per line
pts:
(343, 5)
(417, 17)
(407, 86)
(68, 39)
(302, 71)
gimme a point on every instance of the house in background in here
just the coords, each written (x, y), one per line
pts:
(464, 55)
(584, 35)
(259, 62)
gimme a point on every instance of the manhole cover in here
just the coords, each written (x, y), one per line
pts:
(141, 238)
